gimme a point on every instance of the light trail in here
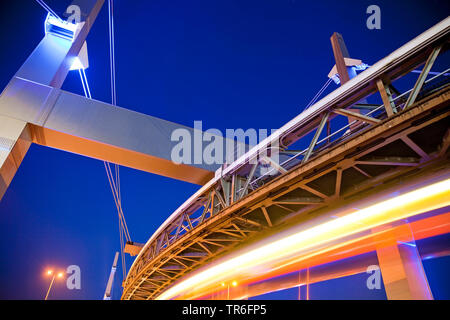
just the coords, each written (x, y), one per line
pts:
(409, 204)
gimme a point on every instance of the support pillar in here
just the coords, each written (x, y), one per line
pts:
(48, 65)
(401, 268)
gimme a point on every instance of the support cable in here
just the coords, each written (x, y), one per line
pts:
(48, 9)
(319, 93)
(111, 179)
(117, 200)
(313, 100)
(123, 228)
(84, 86)
(122, 223)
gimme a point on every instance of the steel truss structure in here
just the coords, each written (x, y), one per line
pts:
(326, 162)
(406, 135)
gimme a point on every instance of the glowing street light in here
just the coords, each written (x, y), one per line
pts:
(50, 272)
(233, 284)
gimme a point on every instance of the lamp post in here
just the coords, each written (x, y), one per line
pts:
(233, 283)
(54, 275)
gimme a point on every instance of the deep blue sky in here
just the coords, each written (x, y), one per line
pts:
(233, 64)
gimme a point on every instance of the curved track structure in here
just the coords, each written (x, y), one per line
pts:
(325, 162)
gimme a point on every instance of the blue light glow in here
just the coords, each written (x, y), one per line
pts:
(59, 27)
(406, 243)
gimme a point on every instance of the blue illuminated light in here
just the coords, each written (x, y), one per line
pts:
(59, 28)
(352, 72)
(361, 67)
(76, 64)
(81, 61)
(336, 79)
(407, 243)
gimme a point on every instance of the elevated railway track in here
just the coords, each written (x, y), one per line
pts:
(400, 137)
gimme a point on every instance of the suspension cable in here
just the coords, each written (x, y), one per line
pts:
(112, 63)
(48, 9)
(124, 233)
(111, 51)
(319, 93)
(84, 86)
(117, 200)
(313, 100)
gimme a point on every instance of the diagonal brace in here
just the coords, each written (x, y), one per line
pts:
(423, 75)
(316, 137)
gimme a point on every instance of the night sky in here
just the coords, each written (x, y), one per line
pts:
(232, 64)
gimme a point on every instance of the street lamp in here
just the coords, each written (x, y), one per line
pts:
(233, 284)
(54, 275)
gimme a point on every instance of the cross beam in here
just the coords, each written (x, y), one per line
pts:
(73, 123)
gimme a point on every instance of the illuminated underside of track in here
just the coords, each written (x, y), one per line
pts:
(333, 237)
(404, 142)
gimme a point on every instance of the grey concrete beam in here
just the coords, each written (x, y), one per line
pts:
(73, 123)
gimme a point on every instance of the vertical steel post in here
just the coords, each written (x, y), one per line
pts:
(340, 52)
